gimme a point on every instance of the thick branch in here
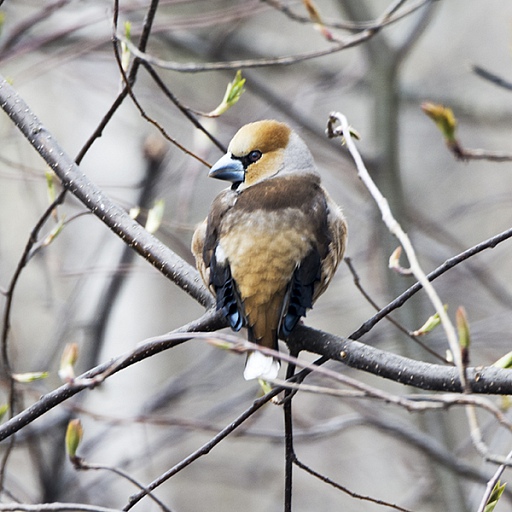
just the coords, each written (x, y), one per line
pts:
(117, 219)
(401, 369)
(209, 321)
(489, 380)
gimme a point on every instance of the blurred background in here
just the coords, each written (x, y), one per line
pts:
(87, 288)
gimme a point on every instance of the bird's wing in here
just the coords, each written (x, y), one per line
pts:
(337, 230)
(301, 290)
(197, 250)
(314, 272)
(212, 264)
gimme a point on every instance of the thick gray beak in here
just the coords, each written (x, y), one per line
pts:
(228, 168)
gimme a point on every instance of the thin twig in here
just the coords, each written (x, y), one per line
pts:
(491, 484)
(194, 67)
(492, 77)
(490, 243)
(148, 118)
(353, 494)
(478, 441)
(350, 25)
(211, 320)
(28, 24)
(130, 79)
(186, 111)
(13, 399)
(205, 449)
(288, 440)
(238, 345)
(400, 369)
(398, 325)
(53, 507)
(463, 153)
(146, 30)
(82, 465)
(395, 228)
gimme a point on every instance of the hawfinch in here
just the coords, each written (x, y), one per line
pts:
(272, 241)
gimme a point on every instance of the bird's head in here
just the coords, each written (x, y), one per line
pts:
(261, 150)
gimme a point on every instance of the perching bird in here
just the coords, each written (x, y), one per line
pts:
(272, 241)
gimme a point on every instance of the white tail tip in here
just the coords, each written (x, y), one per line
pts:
(260, 366)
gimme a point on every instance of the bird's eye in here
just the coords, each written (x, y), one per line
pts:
(254, 156)
(249, 158)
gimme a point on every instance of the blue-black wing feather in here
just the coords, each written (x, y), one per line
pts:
(301, 291)
(228, 298)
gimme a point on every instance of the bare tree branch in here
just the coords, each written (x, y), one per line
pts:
(209, 321)
(492, 77)
(393, 15)
(194, 67)
(398, 368)
(447, 265)
(97, 201)
(53, 507)
(204, 449)
(396, 229)
(344, 489)
(488, 380)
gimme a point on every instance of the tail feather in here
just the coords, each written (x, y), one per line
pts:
(261, 366)
(263, 321)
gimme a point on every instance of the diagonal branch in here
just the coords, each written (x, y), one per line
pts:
(208, 322)
(401, 369)
(395, 228)
(117, 219)
(490, 243)
(488, 380)
(195, 67)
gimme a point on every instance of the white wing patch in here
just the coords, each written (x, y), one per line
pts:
(220, 255)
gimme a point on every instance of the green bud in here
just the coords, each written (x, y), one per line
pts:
(2, 21)
(444, 119)
(155, 216)
(29, 377)
(134, 212)
(53, 234)
(265, 386)
(233, 93)
(464, 336)
(394, 262)
(495, 496)
(68, 361)
(3, 409)
(314, 15)
(504, 361)
(74, 434)
(432, 322)
(125, 51)
(463, 327)
(50, 185)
